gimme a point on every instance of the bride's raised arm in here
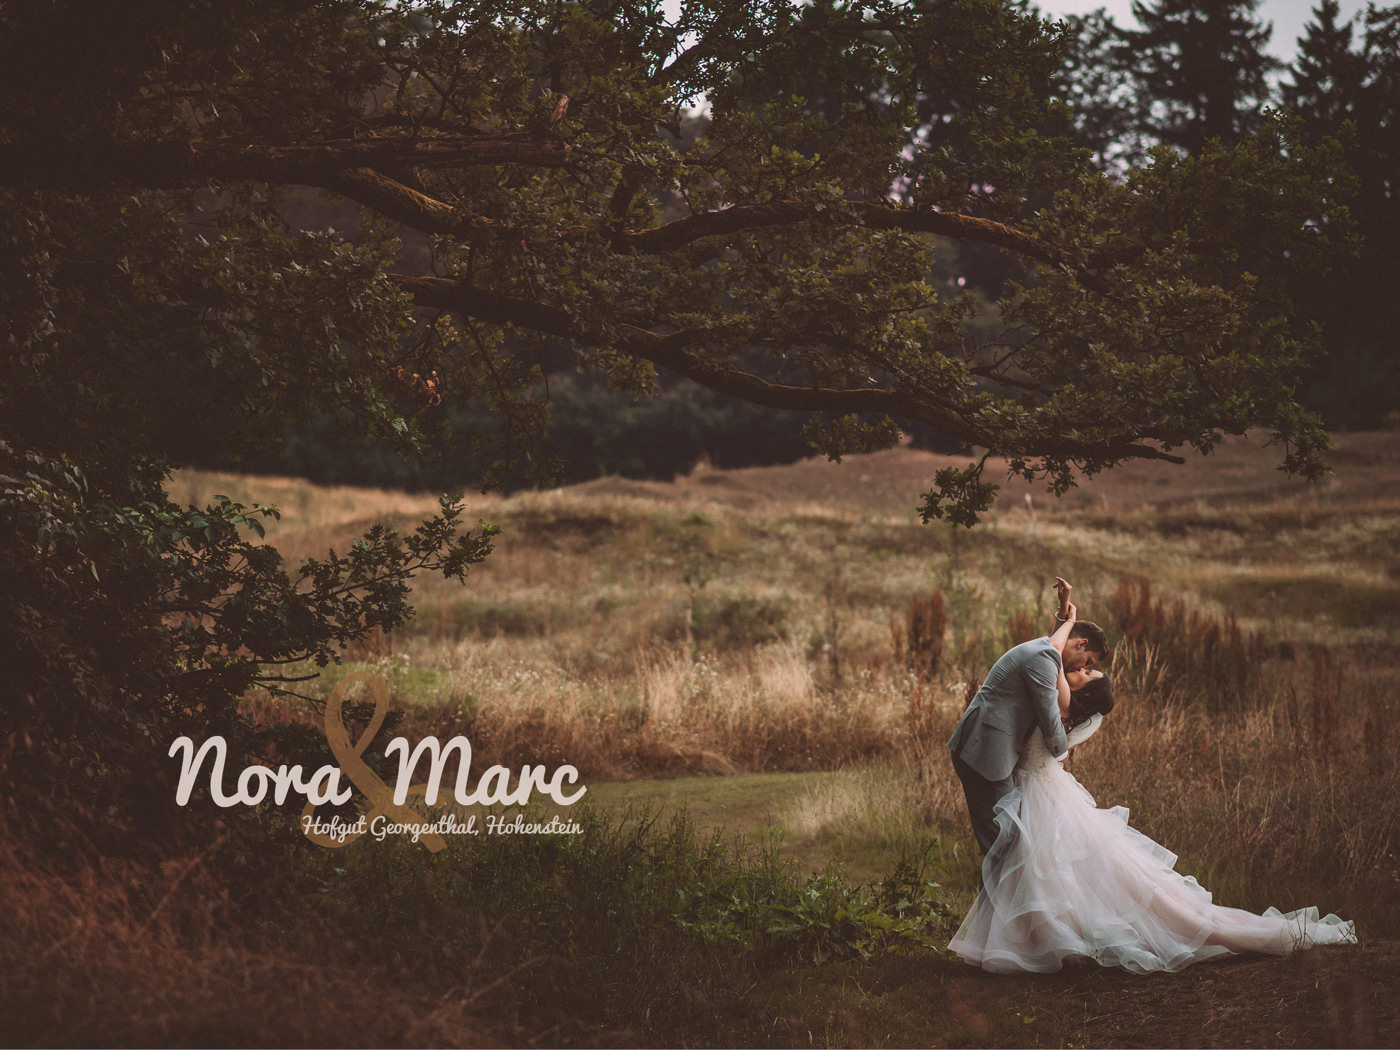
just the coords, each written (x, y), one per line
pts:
(1062, 609)
(1064, 621)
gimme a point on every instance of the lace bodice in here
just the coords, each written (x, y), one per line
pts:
(1035, 757)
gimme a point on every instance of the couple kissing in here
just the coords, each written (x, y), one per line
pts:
(1063, 878)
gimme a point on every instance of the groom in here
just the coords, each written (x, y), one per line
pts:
(1019, 695)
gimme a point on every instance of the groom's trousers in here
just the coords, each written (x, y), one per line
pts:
(982, 795)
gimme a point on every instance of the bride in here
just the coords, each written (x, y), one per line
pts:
(1065, 878)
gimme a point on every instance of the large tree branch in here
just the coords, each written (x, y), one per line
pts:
(674, 352)
(167, 165)
(355, 168)
(873, 215)
(406, 205)
(403, 204)
(669, 351)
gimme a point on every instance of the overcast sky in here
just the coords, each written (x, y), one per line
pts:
(1289, 17)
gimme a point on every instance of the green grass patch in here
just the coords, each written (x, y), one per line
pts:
(408, 682)
(747, 806)
(866, 841)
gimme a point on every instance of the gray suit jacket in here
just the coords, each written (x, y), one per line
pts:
(1019, 694)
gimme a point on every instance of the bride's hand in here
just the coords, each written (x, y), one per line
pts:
(1062, 589)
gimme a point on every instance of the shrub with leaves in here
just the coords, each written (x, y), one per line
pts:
(129, 621)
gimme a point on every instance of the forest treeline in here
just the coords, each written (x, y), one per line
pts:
(1193, 71)
(1185, 74)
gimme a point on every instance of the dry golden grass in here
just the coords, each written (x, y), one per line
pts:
(758, 620)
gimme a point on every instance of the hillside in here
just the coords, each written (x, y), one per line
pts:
(1365, 466)
(735, 644)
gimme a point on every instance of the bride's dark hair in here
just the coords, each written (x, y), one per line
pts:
(1094, 697)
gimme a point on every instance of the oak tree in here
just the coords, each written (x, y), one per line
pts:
(783, 256)
(640, 190)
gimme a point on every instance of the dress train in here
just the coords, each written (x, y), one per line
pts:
(1068, 879)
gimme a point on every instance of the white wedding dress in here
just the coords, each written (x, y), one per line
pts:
(1068, 879)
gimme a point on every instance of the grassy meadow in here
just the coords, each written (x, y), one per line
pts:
(755, 673)
(761, 621)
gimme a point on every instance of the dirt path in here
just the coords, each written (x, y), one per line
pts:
(1336, 997)
(1333, 997)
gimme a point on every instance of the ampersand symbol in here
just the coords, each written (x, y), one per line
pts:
(351, 761)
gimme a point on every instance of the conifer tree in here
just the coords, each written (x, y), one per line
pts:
(1346, 79)
(1201, 69)
(1324, 81)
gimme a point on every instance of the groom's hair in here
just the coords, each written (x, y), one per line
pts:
(1098, 640)
(1094, 697)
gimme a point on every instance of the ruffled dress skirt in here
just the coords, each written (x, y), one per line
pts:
(1067, 879)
